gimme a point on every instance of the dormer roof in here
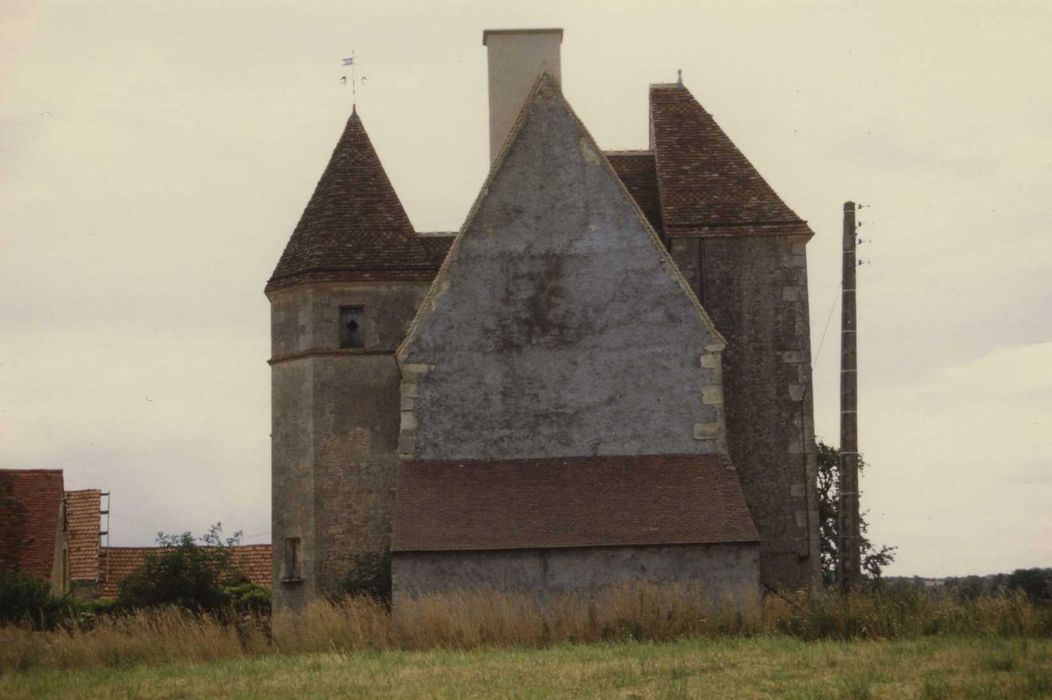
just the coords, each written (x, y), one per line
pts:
(354, 226)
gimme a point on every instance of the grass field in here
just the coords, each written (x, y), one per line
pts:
(766, 666)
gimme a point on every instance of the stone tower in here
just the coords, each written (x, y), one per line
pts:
(342, 297)
(743, 251)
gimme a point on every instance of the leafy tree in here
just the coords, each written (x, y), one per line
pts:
(185, 573)
(873, 559)
(1036, 583)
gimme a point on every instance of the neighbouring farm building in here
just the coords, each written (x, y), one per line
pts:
(604, 376)
(61, 537)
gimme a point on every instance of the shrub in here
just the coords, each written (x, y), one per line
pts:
(185, 574)
(369, 576)
(24, 599)
(248, 599)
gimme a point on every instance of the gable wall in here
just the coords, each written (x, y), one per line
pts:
(559, 327)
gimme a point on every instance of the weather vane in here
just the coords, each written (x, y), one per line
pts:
(349, 61)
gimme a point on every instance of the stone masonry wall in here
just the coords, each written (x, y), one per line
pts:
(335, 428)
(755, 289)
(720, 570)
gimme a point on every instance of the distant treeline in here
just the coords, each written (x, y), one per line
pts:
(1035, 583)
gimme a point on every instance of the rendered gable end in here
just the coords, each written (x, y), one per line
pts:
(559, 326)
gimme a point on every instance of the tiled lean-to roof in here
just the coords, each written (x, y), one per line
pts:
(354, 226)
(82, 533)
(30, 512)
(569, 502)
(707, 186)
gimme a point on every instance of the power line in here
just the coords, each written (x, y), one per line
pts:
(821, 342)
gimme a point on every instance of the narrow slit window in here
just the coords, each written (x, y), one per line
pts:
(292, 560)
(351, 335)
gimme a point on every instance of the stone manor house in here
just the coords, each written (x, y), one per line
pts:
(604, 376)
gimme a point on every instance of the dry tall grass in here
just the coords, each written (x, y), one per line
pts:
(481, 619)
(145, 637)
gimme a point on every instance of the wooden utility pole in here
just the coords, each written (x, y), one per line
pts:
(848, 537)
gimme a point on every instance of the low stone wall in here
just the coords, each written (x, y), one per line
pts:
(721, 570)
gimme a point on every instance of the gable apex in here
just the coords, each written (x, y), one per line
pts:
(559, 326)
(546, 89)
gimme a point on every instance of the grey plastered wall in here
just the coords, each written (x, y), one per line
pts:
(560, 327)
(719, 570)
(755, 288)
(335, 415)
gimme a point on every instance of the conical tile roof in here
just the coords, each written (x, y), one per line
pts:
(707, 186)
(354, 226)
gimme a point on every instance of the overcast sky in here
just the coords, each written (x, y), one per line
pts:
(155, 157)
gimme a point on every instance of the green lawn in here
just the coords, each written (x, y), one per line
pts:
(761, 667)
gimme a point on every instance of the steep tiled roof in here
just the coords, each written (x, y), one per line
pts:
(707, 187)
(570, 502)
(354, 226)
(639, 174)
(82, 533)
(30, 508)
(118, 563)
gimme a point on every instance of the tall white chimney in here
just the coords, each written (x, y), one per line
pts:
(516, 56)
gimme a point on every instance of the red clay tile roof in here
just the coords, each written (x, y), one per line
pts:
(638, 172)
(354, 226)
(570, 502)
(707, 187)
(118, 563)
(254, 562)
(82, 534)
(30, 509)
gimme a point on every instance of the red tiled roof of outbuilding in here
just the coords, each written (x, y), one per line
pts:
(569, 502)
(82, 533)
(354, 226)
(254, 562)
(707, 186)
(30, 509)
(118, 563)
